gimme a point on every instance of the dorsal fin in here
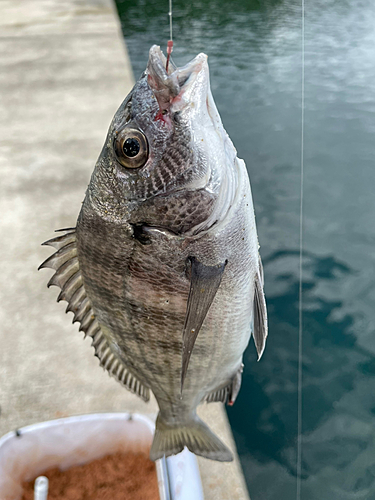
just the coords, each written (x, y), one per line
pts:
(68, 277)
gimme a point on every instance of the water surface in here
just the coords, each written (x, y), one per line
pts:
(254, 50)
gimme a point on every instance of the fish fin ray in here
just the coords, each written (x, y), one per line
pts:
(69, 279)
(229, 392)
(260, 314)
(205, 282)
(195, 435)
(216, 395)
(115, 367)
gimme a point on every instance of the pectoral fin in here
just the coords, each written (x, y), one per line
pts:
(205, 281)
(260, 314)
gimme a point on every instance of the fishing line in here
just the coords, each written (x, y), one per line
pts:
(300, 318)
(170, 41)
(170, 20)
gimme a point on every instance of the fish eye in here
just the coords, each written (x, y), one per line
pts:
(131, 148)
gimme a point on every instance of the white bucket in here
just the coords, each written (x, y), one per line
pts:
(71, 441)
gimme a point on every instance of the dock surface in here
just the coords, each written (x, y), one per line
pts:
(64, 72)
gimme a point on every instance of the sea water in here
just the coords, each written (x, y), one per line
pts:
(254, 49)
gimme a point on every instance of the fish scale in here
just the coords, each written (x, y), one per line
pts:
(162, 270)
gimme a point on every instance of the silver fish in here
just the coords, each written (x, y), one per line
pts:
(162, 269)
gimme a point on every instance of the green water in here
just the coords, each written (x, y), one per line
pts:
(254, 50)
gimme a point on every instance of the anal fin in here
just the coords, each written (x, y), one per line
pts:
(229, 392)
(218, 395)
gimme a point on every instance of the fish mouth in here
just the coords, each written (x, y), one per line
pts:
(179, 87)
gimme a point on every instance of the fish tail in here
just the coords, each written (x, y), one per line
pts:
(195, 435)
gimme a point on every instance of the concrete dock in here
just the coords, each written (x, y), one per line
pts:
(64, 72)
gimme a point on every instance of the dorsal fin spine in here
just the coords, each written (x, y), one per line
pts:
(83, 309)
(61, 241)
(70, 287)
(76, 299)
(65, 272)
(93, 328)
(87, 320)
(56, 260)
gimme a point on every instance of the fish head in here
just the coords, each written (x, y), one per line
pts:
(166, 139)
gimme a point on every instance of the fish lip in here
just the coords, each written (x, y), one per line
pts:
(172, 88)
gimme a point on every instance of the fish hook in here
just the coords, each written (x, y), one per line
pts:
(169, 52)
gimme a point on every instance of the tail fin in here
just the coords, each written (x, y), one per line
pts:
(195, 435)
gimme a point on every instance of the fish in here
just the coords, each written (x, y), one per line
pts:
(162, 269)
